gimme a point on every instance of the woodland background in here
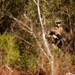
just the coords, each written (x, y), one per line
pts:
(23, 48)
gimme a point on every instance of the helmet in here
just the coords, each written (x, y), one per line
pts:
(57, 21)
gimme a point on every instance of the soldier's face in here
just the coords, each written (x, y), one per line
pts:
(59, 25)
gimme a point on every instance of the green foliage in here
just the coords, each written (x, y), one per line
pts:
(57, 53)
(50, 9)
(73, 59)
(9, 48)
(27, 60)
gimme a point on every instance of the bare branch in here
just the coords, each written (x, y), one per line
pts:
(8, 68)
(29, 21)
(27, 17)
(38, 43)
(22, 38)
(45, 40)
(39, 13)
(23, 28)
(19, 21)
(25, 40)
(35, 2)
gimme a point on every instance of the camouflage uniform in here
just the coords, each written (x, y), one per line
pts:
(54, 35)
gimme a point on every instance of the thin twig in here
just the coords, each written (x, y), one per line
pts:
(8, 68)
(27, 17)
(24, 40)
(19, 21)
(29, 21)
(35, 2)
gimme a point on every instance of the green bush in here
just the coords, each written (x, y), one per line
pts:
(8, 48)
(28, 61)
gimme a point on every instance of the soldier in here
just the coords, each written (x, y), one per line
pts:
(55, 34)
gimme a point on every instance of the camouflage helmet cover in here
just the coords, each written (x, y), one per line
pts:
(58, 20)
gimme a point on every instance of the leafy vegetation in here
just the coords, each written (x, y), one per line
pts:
(23, 42)
(8, 49)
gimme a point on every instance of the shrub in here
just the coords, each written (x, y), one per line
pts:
(9, 48)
